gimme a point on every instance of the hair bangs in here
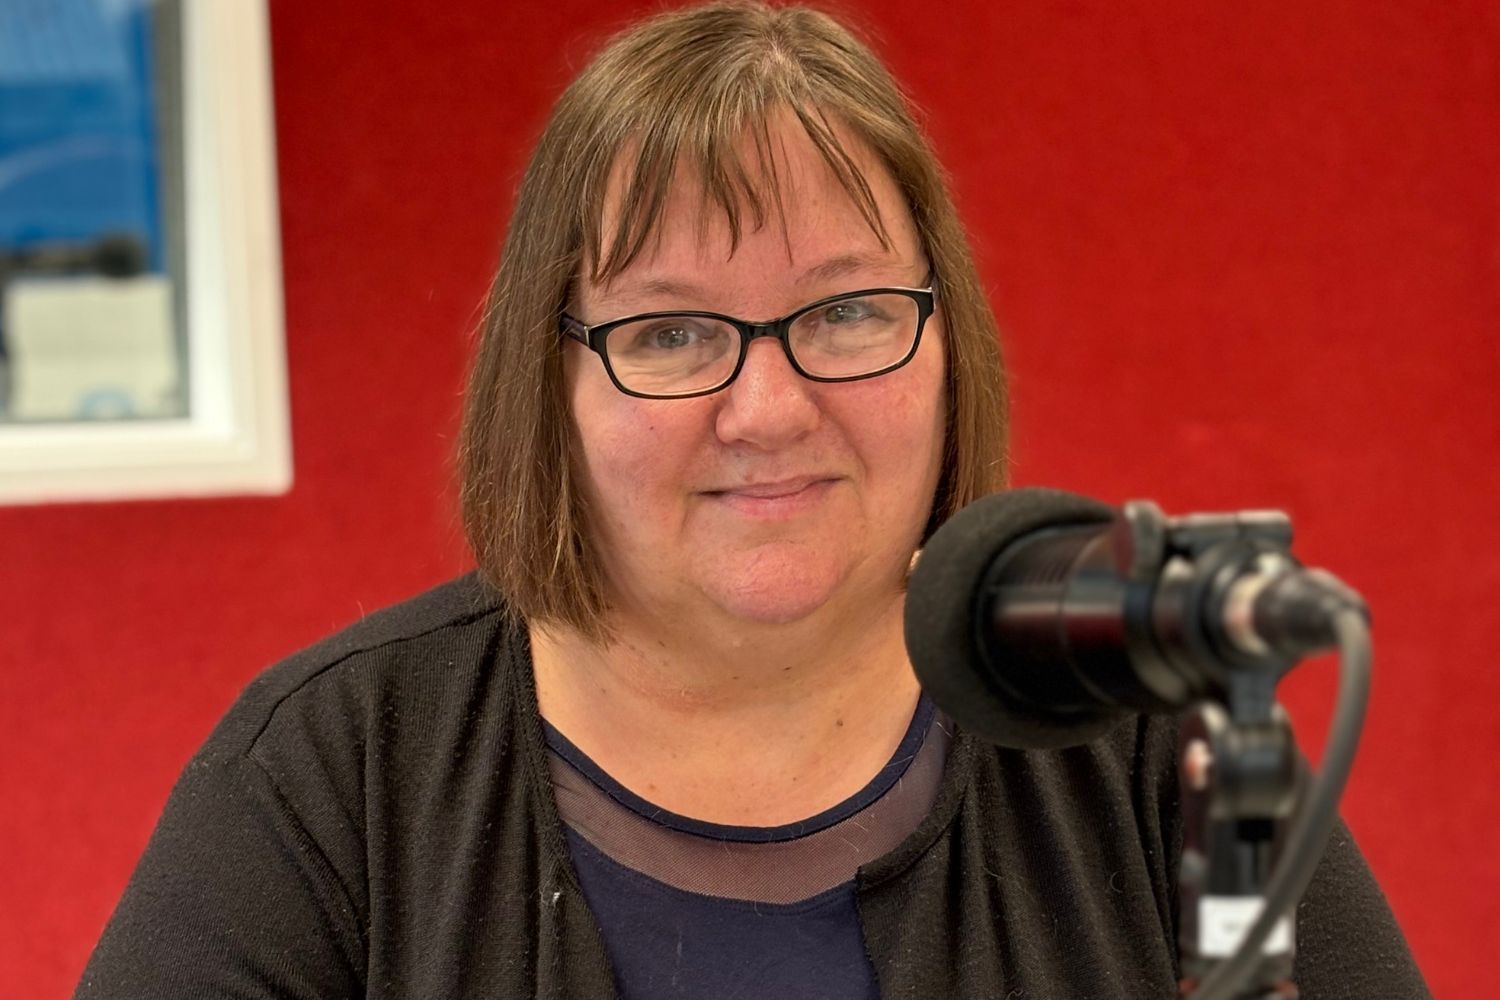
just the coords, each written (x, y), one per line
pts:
(729, 148)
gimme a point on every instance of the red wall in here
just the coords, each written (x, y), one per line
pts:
(1242, 258)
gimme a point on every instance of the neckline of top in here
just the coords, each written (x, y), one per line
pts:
(884, 780)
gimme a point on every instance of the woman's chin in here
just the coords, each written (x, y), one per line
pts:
(779, 610)
(773, 591)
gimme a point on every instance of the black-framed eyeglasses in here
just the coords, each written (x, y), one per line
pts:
(843, 338)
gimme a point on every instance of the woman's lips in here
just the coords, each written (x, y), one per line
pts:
(773, 500)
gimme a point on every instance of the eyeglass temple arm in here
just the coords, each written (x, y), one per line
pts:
(570, 327)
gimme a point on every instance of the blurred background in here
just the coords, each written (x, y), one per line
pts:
(1243, 255)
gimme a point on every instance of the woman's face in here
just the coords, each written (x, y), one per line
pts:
(776, 496)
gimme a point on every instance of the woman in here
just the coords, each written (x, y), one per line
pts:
(736, 365)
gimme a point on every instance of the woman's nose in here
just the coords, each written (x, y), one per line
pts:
(768, 404)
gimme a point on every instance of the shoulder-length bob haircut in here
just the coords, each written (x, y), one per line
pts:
(684, 90)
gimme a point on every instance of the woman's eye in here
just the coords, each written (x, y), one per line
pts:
(671, 337)
(847, 312)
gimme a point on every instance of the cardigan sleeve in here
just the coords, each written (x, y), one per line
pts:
(1349, 946)
(232, 899)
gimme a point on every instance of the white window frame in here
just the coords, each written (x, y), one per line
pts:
(237, 438)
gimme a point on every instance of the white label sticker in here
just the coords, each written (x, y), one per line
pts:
(1223, 921)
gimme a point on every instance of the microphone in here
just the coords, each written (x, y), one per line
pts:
(1038, 619)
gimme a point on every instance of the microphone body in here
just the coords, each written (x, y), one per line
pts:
(1038, 619)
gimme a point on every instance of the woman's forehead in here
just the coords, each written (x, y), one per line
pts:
(793, 215)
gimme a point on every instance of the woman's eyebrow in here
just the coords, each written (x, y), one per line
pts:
(663, 288)
(846, 264)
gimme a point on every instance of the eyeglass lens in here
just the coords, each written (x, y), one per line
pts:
(845, 338)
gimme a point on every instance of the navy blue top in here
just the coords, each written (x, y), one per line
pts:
(667, 941)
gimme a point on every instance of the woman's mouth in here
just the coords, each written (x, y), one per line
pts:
(774, 500)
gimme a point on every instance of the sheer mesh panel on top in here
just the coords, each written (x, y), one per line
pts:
(784, 864)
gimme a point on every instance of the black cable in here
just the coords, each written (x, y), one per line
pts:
(1305, 840)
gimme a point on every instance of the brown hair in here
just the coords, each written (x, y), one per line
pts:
(686, 87)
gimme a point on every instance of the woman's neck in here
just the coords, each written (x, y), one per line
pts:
(757, 726)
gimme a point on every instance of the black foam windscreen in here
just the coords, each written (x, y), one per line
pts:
(941, 622)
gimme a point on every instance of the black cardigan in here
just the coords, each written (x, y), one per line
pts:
(374, 818)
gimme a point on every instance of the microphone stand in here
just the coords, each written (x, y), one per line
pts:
(1239, 785)
(1223, 581)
